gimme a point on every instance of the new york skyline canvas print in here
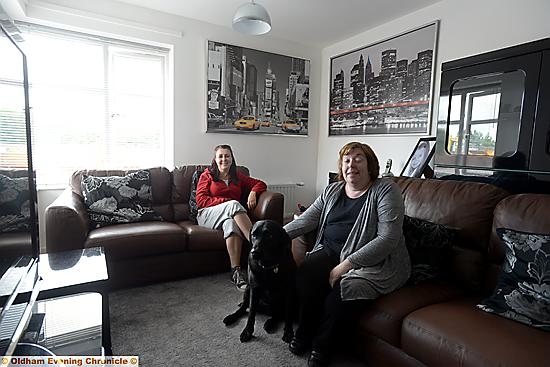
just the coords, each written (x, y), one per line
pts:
(386, 87)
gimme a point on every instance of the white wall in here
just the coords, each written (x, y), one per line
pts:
(467, 27)
(276, 159)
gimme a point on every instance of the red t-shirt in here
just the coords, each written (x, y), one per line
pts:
(210, 192)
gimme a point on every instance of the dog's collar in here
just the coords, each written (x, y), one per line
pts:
(274, 268)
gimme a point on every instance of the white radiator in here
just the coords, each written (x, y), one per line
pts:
(289, 192)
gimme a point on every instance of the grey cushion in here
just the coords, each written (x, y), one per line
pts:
(14, 204)
(116, 199)
(523, 290)
(193, 208)
(429, 247)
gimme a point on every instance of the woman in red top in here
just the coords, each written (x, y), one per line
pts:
(218, 193)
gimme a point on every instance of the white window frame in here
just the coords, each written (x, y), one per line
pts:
(166, 52)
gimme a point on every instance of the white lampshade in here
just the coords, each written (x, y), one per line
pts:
(252, 18)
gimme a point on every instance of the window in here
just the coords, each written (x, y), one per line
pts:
(96, 103)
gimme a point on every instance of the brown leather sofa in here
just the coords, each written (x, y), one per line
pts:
(143, 252)
(436, 323)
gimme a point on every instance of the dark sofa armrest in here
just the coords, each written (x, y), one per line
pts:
(301, 245)
(270, 205)
(67, 223)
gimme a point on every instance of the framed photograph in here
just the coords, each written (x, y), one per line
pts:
(417, 164)
(386, 87)
(332, 177)
(256, 92)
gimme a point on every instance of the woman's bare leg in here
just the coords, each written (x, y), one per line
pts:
(244, 224)
(234, 246)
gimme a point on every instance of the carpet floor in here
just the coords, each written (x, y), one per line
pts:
(180, 324)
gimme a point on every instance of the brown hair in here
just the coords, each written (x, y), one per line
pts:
(232, 170)
(372, 159)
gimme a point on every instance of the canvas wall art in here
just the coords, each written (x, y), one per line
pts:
(256, 92)
(386, 87)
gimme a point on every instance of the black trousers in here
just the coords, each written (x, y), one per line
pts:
(321, 311)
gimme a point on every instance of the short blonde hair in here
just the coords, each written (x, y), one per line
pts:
(372, 159)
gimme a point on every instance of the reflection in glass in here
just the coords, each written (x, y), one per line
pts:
(483, 121)
(18, 221)
(72, 324)
(15, 195)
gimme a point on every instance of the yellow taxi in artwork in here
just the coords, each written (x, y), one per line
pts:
(291, 126)
(248, 122)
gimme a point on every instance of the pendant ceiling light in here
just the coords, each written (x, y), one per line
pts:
(252, 18)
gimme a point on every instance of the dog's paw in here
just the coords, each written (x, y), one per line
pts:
(246, 336)
(270, 325)
(229, 319)
(287, 336)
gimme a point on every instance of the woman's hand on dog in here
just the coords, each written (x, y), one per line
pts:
(251, 200)
(338, 271)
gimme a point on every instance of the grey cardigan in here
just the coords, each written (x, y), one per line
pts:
(375, 245)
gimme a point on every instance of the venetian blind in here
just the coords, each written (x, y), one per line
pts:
(96, 103)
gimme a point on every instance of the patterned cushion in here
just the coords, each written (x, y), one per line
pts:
(14, 204)
(193, 208)
(429, 245)
(523, 290)
(115, 199)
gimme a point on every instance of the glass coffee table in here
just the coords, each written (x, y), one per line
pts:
(71, 280)
(70, 325)
(73, 271)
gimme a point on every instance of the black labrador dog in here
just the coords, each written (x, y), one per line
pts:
(271, 278)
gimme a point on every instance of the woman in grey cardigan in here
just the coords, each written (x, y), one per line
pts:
(359, 252)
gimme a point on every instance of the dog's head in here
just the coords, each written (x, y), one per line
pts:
(270, 244)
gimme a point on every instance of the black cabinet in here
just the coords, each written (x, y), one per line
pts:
(494, 114)
(540, 148)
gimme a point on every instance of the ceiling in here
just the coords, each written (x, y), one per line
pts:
(309, 22)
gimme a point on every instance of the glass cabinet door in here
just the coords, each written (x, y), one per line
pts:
(486, 115)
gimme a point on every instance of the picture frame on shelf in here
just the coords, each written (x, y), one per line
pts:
(385, 87)
(256, 92)
(418, 162)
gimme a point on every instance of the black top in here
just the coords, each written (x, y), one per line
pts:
(340, 220)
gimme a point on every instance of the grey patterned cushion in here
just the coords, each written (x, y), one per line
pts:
(115, 199)
(429, 246)
(193, 208)
(523, 290)
(14, 204)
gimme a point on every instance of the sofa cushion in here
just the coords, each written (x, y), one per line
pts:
(456, 333)
(429, 247)
(193, 208)
(384, 317)
(203, 238)
(14, 204)
(512, 213)
(118, 199)
(523, 291)
(137, 240)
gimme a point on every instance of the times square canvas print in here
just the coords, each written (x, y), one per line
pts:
(256, 92)
(386, 87)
